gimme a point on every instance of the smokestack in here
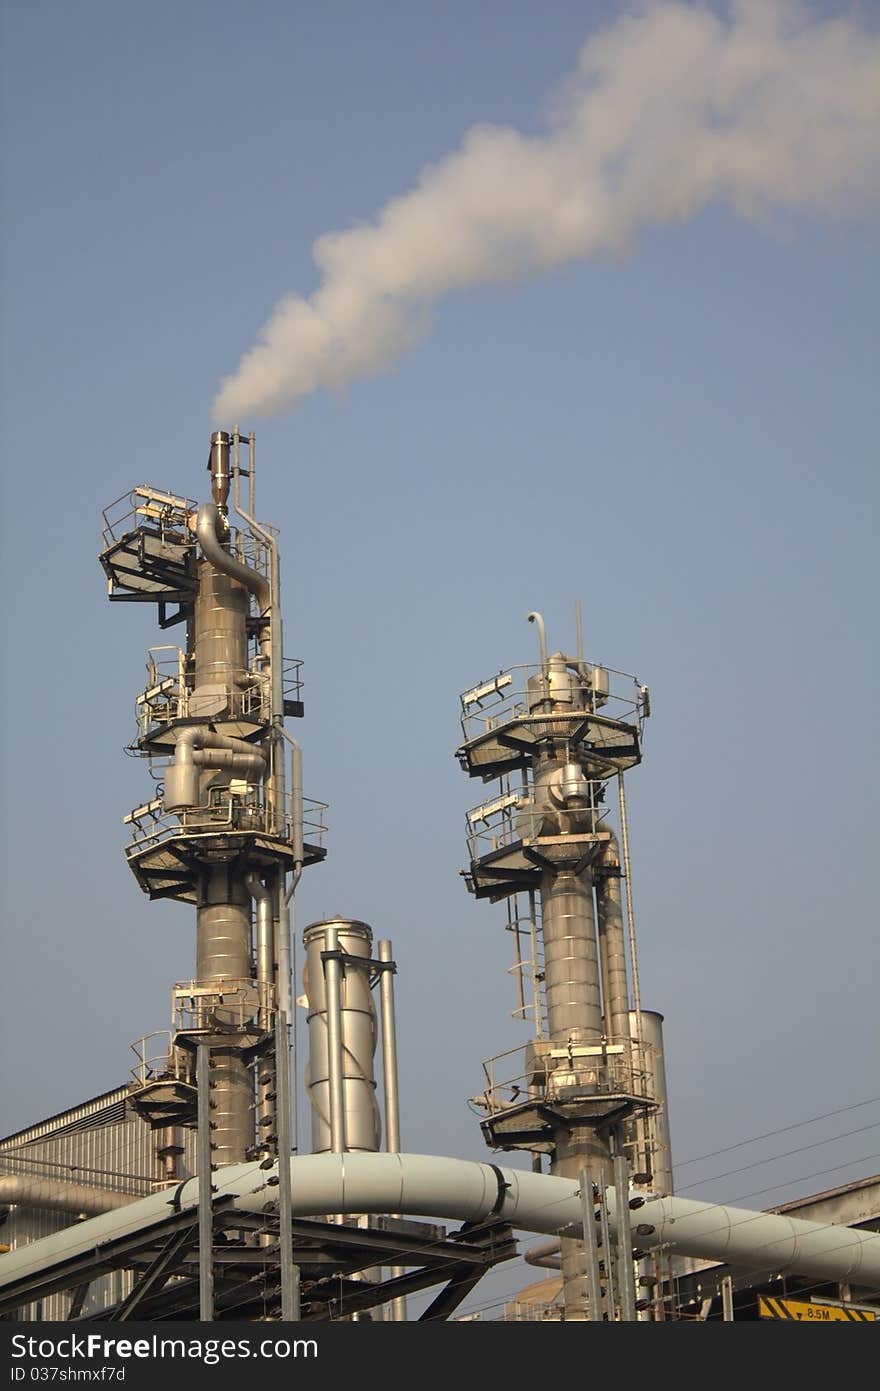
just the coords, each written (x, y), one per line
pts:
(218, 465)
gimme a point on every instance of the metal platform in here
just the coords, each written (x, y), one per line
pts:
(603, 746)
(170, 867)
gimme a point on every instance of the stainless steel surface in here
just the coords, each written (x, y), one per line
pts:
(356, 1095)
(206, 1213)
(200, 755)
(333, 1018)
(538, 621)
(612, 945)
(574, 1012)
(626, 1275)
(388, 1024)
(264, 899)
(595, 1312)
(289, 1270)
(218, 464)
(223, 953)
(209, 529)
(653, 1131)
(630, 913)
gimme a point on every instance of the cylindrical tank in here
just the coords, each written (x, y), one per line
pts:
(362, 1123)
(653, 1146)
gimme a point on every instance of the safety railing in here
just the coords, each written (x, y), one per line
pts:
(510, 817)
(229, 808)
(509, 696)
(172, 517)
(158, 1059)
(548, 1071)
(226, 1003)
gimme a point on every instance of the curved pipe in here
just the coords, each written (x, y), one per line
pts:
(432, 1186)
(209, 530)
(198, 747)
(204, 749)
(547, 1255)
(538, 621)
(54, 1195)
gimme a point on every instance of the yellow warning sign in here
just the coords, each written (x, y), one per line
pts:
(798, 1309)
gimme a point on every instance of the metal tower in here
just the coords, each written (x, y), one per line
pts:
(223, 831)
(554, 736)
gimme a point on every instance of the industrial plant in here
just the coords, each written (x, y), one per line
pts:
(185, 1193)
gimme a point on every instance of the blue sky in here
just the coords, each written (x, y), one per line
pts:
(681, 434)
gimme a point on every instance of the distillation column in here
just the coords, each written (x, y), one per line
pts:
(221, 836)
(550, 836)
(223, 914)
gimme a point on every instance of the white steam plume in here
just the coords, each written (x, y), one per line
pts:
(669, 109)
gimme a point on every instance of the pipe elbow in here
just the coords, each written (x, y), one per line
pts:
(537, 619)
(208, 532)
(256, 888)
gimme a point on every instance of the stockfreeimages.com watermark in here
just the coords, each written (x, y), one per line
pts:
(34, 1359)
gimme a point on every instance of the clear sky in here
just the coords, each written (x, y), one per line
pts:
(677, 426)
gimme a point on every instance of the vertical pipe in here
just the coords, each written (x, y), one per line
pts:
(594, 1284)
(630, 916)
(606, 1246)
(626, 1276)
(333, 991)
(219, 467)
(390, 1085)
(265, 944)
(290, 1281)
(542, 639)
(727, 1299)
(612, 946)
(206, 1219)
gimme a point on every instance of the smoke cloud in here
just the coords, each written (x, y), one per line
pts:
(762, 108)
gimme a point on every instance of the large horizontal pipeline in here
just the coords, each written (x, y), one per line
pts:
(58, 1195)
(432, 1186)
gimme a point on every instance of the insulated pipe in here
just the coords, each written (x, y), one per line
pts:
(263, 898)
(336, 1085)
(390, 1085)
(274, 643)
(612, 945)
(218, 465)
(197, 747)
(546, 1255)
(209, 529)
(55, 1195)
(435, 1186)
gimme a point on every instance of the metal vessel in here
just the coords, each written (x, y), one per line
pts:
(554, 736)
